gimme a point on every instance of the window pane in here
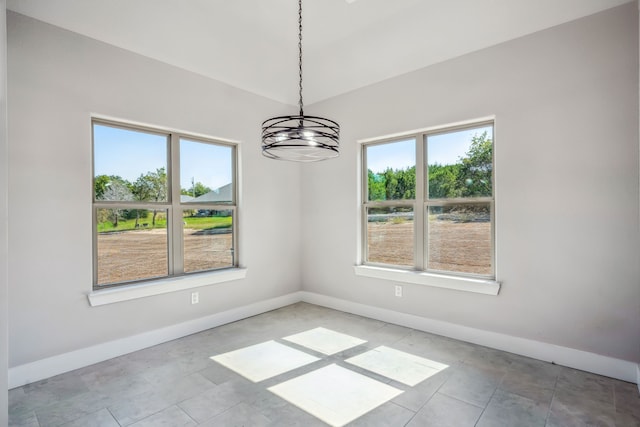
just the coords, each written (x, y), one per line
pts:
(390, 235)
(131, 244)
(391, 170)
(129, 165)
(460, 163)
(208, 239)
(206, 172)
(459, 238)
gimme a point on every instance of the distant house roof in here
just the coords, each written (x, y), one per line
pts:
(222, 194)
(184, 198)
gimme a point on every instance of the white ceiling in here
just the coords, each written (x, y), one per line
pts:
(252, 44)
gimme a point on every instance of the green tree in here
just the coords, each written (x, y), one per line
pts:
(400, 183)
(392, 184)
(469, 177)
(474, 178)
(196, 190)
(101, 183)
(151, 187)
(406, 188)
(117, 191)
(443, 181)
(376, 185)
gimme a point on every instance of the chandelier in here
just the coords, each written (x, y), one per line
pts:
(300, 138)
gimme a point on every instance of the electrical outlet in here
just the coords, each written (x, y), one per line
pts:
(195, 297)
(398, 290)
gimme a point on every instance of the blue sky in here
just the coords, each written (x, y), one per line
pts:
(444, 149)
(130, 153)
(206, 163)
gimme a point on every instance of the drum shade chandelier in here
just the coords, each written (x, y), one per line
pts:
(300, 138)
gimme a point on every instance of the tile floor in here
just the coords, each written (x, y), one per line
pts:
(305, 365)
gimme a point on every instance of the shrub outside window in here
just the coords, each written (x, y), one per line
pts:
(164, 204)
(436, 214)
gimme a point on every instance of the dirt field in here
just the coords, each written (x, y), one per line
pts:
(467, 248)
(142, 254)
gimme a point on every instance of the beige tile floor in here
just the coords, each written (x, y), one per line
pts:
(353, 371)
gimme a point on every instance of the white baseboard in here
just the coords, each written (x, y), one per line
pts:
(46, 368)
(591, 362)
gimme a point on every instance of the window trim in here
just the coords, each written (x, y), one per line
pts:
(173, 205)
(446, 281)
(164, 285)
(419, 274)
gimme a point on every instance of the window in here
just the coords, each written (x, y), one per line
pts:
(164, 204)
(435, 214)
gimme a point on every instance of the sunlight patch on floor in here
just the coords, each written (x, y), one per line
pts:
(262, 361)
(397, 365)
(325, 341)
(334, 394)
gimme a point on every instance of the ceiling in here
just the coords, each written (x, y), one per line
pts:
(252, 44)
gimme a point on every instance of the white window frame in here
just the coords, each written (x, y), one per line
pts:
(418, 273)
(176, 279)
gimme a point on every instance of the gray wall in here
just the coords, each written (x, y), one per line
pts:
(567, 185)
(566, 151)
(4, 163)
(56, 80)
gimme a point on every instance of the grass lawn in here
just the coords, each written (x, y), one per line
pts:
(197, 223)
(206, 222)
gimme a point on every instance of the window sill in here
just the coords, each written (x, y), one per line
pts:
(163, 286)
(481, 286)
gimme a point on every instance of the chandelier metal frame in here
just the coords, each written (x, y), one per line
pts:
(300, 138)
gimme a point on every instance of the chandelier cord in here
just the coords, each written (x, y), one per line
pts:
(300, 53)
